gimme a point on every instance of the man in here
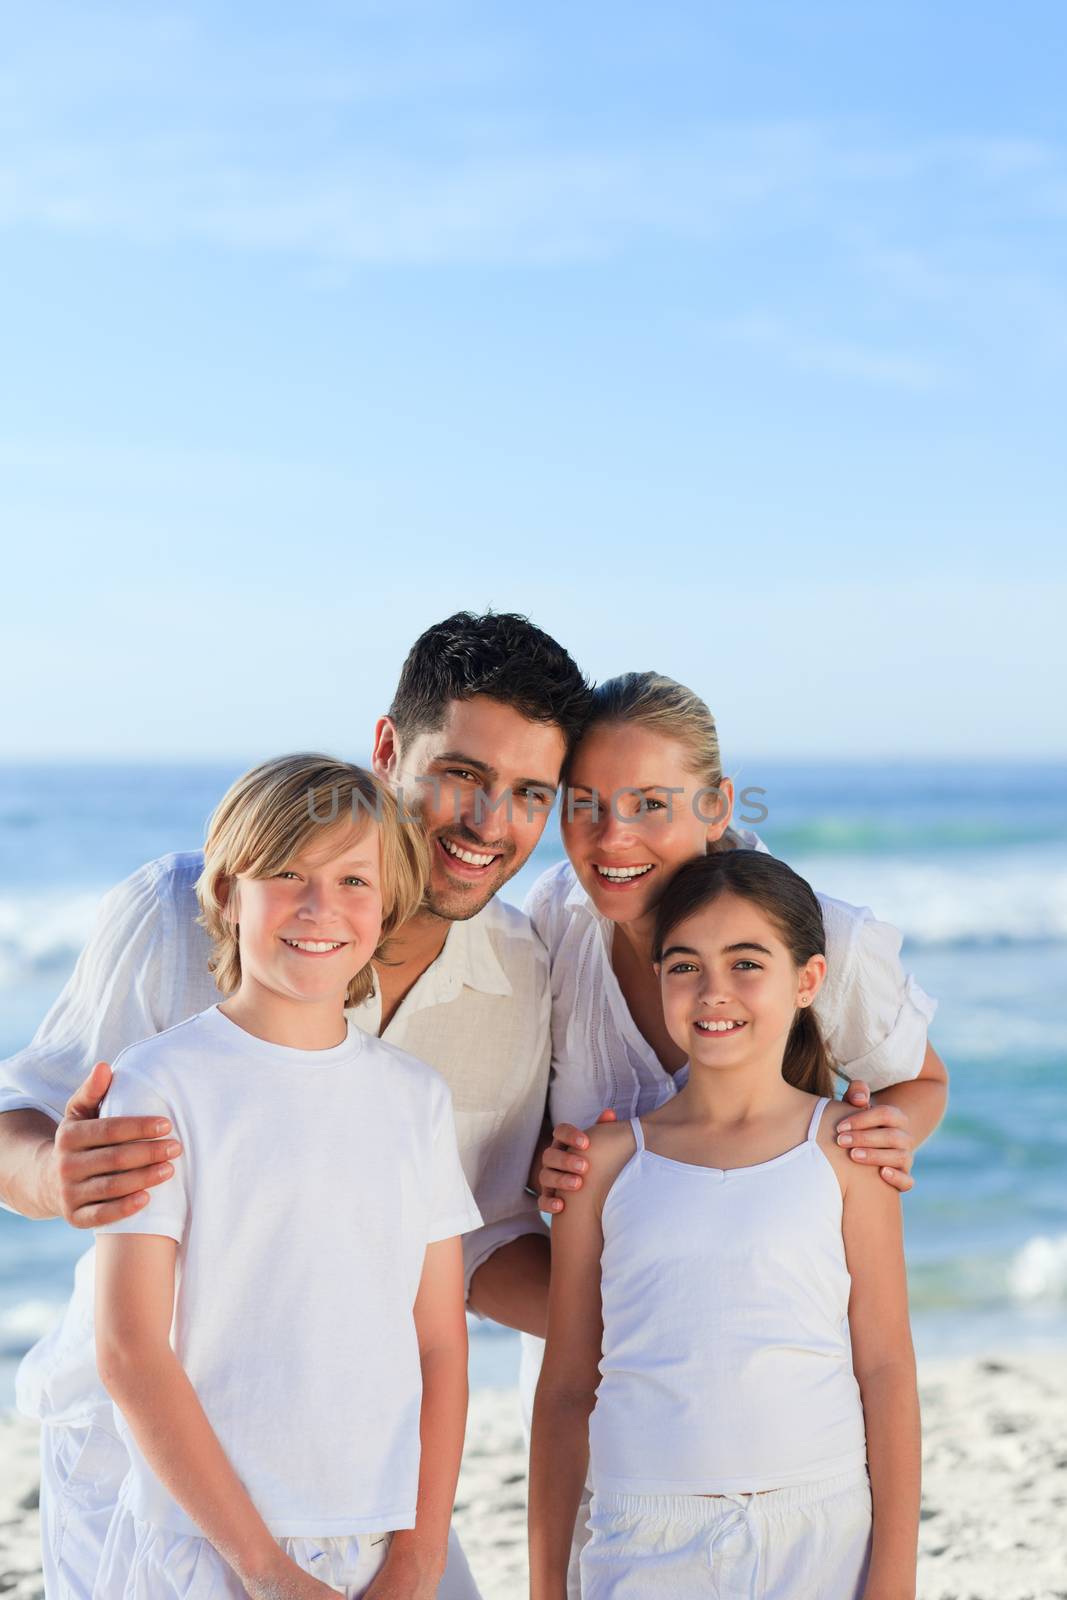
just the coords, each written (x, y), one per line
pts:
(473, 744)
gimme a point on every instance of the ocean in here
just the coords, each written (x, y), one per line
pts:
(969, 862)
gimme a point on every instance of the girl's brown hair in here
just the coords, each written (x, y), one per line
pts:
(791, 905)
(270, 814)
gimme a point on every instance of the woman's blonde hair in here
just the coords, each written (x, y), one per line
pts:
(270, 814)
(666, 707)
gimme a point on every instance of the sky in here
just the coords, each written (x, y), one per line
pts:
(724, 339)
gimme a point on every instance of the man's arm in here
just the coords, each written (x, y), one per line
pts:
(88, 1170)
(511, 1286)
(56, 1158)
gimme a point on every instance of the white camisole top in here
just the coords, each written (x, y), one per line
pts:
(726, 1363)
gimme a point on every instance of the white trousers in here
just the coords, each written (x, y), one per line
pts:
(787, 1544)
(82, 1468)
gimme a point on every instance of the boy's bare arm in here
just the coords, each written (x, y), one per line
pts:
(134, 1307)
(417, 1556)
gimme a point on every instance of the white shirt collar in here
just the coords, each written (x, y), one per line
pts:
(467, 960)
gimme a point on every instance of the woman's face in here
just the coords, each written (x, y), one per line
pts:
(634, 814)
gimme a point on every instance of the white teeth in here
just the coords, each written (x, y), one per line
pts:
(624, 872)
(317, 947)
(719, 1027)
(466, 855)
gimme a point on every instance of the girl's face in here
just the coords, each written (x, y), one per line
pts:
(306, 931)
(729, 984)
(649, 817)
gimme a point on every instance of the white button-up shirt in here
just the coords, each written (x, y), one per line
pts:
(479, 1014)
(872, 1014)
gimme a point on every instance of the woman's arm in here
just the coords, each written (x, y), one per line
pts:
(417, 1556)
(134, 1308)
(566, 1390)
(884, 1364)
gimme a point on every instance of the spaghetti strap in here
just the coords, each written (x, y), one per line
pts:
(638, 1132)
(813, 1125)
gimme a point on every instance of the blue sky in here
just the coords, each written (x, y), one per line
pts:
(725, 339)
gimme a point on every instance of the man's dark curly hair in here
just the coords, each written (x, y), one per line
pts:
(500, 655)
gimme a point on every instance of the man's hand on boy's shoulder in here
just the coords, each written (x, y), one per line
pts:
(99, 1169)
(564, 1164)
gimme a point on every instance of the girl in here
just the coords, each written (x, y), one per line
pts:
(728, 1292)
(646, 793)
(275, 1350)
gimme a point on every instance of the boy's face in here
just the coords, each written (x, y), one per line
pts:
(482, 786)
(307, 930)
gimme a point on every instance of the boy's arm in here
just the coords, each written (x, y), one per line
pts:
(566, 1389)
(884, 1364)
(134, 1307)
(417, 1556)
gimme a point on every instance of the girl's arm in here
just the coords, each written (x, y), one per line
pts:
(566, 1390)
(134, 1308)
(884, 1364)
(417, 1556)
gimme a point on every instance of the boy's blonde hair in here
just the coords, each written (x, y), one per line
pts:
(270, 814)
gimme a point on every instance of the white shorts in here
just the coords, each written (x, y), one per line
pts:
(143, 1562)
(787, 1544)
(82, 1468)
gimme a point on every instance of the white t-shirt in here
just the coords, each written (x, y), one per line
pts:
(311, 1183)
(873, 1014)
(479, 1014)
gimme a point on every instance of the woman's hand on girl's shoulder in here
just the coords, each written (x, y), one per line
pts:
(564, 1164)
(840, 1157)
(611, 1144)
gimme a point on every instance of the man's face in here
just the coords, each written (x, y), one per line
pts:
(482, 786)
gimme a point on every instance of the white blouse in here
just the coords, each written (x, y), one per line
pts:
(873, 1014)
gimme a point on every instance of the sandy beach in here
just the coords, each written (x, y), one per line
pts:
(994, 1494)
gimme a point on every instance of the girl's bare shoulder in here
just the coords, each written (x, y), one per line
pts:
(611, 1144)
(826, 1138)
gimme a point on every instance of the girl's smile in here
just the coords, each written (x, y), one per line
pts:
(721, 1025)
